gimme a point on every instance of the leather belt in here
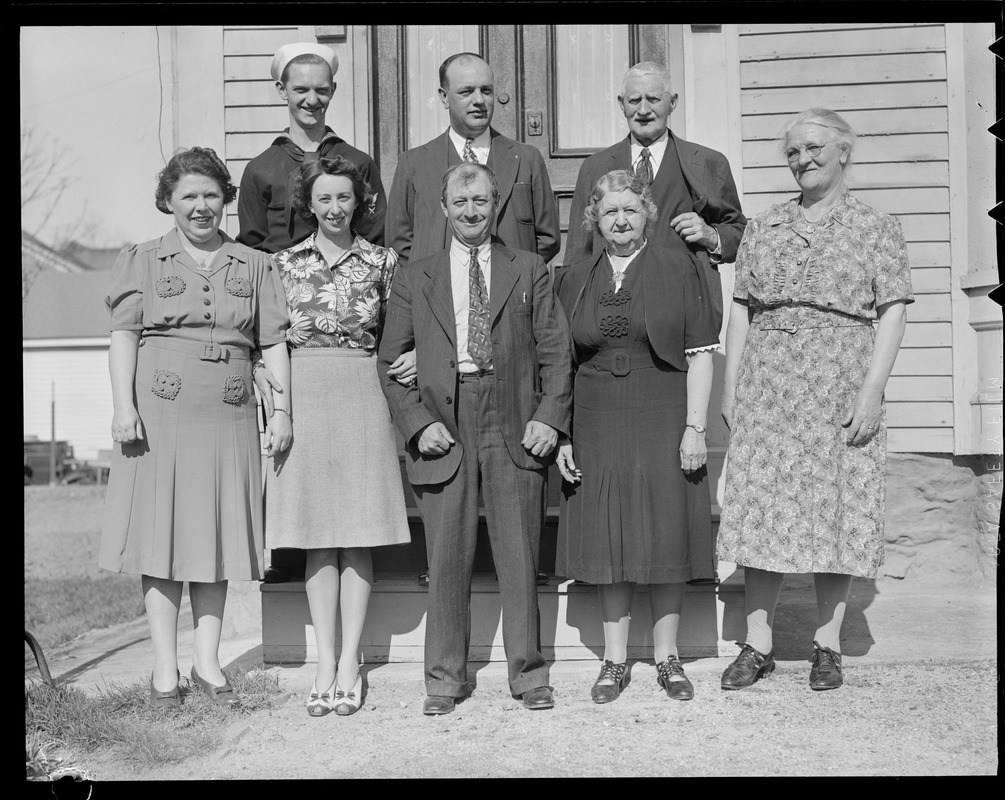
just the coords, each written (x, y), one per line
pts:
(620, 362)
(477, 375)
(204, 351)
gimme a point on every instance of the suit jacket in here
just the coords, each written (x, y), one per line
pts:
(677, 313)
(531, 356)
(526, 218)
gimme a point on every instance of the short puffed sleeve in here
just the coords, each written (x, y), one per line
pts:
(893, 271)
(744, 261)
(701, 323)
(271, 317)
(125, 293)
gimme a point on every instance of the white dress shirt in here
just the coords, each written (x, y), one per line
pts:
(480, 144)
(460, 257)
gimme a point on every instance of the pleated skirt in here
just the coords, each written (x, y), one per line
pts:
(635, 516)
(184, 503)
(339, 484)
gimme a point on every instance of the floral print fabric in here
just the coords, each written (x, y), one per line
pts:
(798, 497)
(851, 261)
(338, 306)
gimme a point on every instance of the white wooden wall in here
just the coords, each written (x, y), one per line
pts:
(83, 395)
(890, 83)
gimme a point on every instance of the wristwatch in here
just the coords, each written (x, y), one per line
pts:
(697, 428)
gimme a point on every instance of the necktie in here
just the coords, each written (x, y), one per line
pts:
(469, 153)
(644, 170)
(479, 344)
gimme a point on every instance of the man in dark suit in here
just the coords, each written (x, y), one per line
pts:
(691, 185)
(526, 216)
(494, 388)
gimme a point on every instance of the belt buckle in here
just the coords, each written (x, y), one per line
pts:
(211, 352)
(621, 364)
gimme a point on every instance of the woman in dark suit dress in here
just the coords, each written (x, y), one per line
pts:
(635, 508)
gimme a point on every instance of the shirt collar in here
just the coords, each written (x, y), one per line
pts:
(656, 149)
(462, 251)
(310, 243)
(481, 142)
(788, 213)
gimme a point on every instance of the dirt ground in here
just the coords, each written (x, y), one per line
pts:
(935, 716)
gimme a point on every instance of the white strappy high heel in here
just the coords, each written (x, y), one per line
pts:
(320, 704)
(347, 703)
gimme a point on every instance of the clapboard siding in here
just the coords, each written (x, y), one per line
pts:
(866, 123)
(889, 82)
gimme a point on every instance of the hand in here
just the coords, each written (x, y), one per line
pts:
(539, 439)
(693, 455)
(566, 466)
(278, 434)
(435, 440)
(726, 407)
(266, 383)
(864, 417)
(693, 230)
(403, 369)
(126, 426)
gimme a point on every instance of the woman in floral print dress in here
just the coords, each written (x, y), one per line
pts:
(338, 491)
(803, 395)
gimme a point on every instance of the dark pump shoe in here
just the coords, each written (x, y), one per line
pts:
(749, 667)
(538, 699)
(436, 704)
(670, 675)
(826, 670)
(221, 695)
(609, 692)
(169, 699)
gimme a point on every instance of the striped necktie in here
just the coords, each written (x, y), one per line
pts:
(479, 342)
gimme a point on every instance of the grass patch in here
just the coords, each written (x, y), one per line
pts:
(57, 610)
(66, 729)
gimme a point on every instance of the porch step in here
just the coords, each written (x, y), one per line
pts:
(712, 621)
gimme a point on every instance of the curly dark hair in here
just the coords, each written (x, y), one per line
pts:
(194, 161)
(312, 170)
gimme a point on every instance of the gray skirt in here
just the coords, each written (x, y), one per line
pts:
(339, 482)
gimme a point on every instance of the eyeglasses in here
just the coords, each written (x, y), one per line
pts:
(812, 150)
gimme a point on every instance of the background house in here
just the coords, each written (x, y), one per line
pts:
(920, 95)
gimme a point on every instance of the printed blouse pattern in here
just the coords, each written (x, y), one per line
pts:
(339, 306)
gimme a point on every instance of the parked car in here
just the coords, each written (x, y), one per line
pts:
(36, 460)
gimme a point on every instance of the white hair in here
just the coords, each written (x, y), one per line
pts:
(648, 68)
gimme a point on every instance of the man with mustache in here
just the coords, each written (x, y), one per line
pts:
(691, 185)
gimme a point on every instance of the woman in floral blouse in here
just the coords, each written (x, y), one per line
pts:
(338, 491)
(817, 318)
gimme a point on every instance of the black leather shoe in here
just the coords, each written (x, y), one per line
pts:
(275, 575)
(169, 699)
(609, 692)
(826, 670)
(670, 675)
(748, 668)
(538, 699)
(436, 704)
(221, 695)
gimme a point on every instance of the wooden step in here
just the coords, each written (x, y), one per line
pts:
(712, 621)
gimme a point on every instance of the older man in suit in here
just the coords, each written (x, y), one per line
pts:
(526, 216)
(691, 185)
(493, 393)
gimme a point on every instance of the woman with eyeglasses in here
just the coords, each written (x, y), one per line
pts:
(817, 318)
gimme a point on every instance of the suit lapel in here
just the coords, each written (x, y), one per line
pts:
(504, 278)
(440, 296)
(692, 165)
(504, 161)
(433, 166)
(622, 155)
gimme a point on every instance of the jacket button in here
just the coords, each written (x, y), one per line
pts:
(450, 401)
(207, 315)
(205, 288)
(207, 302)
(452, 365)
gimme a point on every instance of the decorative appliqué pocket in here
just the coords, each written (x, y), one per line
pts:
(614, 327)
(169, 286)
(166, 384)
(239, 287)
(234, 390)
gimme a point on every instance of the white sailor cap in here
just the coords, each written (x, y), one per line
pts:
(285, 54)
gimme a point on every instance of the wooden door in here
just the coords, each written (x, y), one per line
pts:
(556, 88)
